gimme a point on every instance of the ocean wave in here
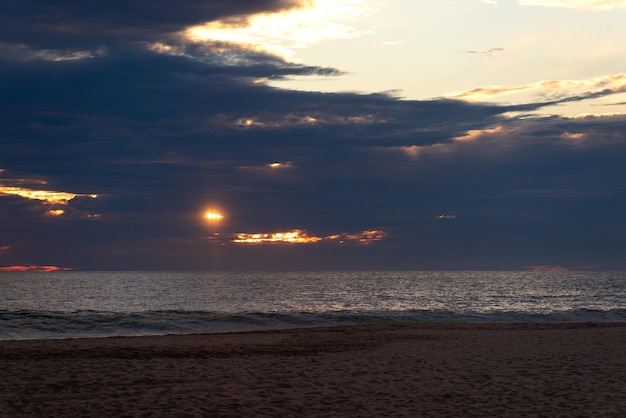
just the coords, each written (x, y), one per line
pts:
(22, 324)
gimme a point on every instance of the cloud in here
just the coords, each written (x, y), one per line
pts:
(52, 197)
(36, 269)
(162, 128)
(65, 31)
(45, 24)
(16, 187)
(281, 33)
(577, 4)
(279, 166)
(298, 236)
(227, 33)
(552, 91)
(513, 134)
(22, 52)
(267, 120)
(36, 200)
(488, 52)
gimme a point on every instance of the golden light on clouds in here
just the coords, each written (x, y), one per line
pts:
(292, 237)
(298, 236)
(162, 48)
(475, 134)
(362, 238)
(549, 89)
(573, 136)
(282, 32)
(266, 120)
(278, 165)
(50, 197)
(276, 123)
(444, 148)
(35, 269)
(56, 212)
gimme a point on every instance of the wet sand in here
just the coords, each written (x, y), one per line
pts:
(401, 370)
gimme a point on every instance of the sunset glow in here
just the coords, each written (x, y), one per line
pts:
(35, 269)
(547, 89)
(277, 165)
(313, 135)
(282, 32)
(213, 216)
(362, 238)
(474, 134)
(293, 237)
(298, 236)
(59, 198)
(51, 197)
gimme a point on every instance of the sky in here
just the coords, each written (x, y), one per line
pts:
(312, 135)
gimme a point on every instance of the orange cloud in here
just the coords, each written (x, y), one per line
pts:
(278, 165)
(51, 197)
(361, 238)
(36, 269)
(292, 237)
(457, 143)
(474, 134)
(298, 236)
(56, 212)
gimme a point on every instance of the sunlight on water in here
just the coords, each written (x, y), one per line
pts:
(129, 303)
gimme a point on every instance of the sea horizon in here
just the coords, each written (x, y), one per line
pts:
(96, 304)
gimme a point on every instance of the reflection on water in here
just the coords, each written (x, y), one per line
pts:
(90, 304)
(481, 292)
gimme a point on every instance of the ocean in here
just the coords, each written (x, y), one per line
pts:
(73, 304)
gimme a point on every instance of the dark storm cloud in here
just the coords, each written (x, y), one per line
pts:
(89, 23)
(160, 135)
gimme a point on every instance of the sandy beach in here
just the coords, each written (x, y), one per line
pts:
(401, 370)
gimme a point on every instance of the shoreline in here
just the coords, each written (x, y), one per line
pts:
(417, 324)
(399, 369)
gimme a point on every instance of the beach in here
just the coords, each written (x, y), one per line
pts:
(383, 370)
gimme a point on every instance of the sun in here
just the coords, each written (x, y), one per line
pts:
(213, 216)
